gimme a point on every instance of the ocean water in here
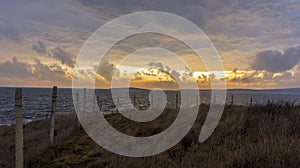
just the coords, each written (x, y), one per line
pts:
(37, 101)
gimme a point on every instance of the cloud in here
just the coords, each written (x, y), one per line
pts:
(158, 72)
(156, 65)
(60, 19)
(49, 72)
(157, 69)
(43, 15)
(15, 68)
(275, 61)
(198, 12)
(240, 29)
(9, 32)
(106, 70)
(253, 26)
(40, 48)
(249, 78)
(64, 57)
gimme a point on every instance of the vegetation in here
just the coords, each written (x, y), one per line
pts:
(257, 136)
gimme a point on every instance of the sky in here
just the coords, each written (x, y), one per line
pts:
(258, 42)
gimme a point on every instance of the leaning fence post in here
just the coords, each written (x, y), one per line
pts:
(19, 128)
(52, 117)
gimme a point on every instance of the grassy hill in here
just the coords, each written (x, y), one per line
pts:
(260, 136)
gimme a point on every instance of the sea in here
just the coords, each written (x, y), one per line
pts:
(37, 101)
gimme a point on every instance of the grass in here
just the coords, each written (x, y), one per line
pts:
(258, 136)
(36, 138)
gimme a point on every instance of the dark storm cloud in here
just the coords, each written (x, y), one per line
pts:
(275, 61)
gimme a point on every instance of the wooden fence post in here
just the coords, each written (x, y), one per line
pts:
(52, 117)
(99, 103)
(231, 100)
(19, 128)
(77, 108)
(251, 100)
(176, 101)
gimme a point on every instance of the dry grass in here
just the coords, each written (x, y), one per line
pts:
(260, 136)
(36, 138)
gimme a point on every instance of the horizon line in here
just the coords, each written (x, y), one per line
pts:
(35, 87)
